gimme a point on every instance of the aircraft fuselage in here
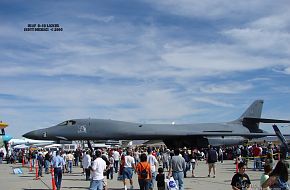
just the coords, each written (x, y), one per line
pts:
(180, 134)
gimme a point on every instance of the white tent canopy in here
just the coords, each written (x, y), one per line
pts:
(53, 146)
(20, 146)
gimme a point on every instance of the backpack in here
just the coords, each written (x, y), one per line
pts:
(143, 173)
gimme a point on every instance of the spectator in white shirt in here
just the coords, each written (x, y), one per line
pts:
(86, 162)
(129, 166)
(97, 170)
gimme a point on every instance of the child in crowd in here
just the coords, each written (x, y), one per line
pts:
(160, 178)
(241, 180)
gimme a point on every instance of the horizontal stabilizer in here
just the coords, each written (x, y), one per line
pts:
(264, 120)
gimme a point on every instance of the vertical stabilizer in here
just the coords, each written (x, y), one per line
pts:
(251, 117)
(254, 110)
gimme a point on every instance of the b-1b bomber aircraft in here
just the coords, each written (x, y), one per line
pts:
(173, 135)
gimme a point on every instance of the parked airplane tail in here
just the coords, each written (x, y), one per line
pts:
(253, 111)
(251, 118)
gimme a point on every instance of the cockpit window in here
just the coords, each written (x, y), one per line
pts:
(69, 122)
(63, 123)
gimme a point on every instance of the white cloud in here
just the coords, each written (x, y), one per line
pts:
(265, 35)
(105, 19)
(229, 88)
(274, 22)
(212, 101)
(219, 9)
(281, 89)
(287, 70)
(212, 59)
(275, 42)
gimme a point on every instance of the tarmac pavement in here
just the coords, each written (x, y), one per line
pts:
(76, 180)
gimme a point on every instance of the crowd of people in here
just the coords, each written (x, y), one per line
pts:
(150, 164)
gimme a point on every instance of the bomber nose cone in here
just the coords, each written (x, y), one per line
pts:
(30, 135)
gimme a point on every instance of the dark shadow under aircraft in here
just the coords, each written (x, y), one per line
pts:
(173, 135)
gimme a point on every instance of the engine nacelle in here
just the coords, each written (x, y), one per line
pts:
(203, 142)
(220, 141)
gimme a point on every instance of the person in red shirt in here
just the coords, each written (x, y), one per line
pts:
(257, 152)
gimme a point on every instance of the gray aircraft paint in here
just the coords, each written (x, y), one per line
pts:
(173, 135)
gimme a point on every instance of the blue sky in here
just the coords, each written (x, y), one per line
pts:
(143, 61)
